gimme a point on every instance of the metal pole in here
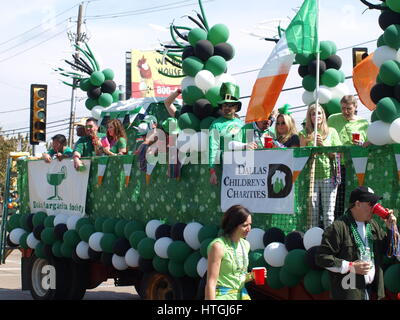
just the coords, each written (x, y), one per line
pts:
(317, 81)
(72, 114)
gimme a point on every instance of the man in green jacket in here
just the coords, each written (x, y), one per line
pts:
(353, 247)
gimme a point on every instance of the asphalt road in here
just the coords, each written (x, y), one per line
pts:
(10, 284)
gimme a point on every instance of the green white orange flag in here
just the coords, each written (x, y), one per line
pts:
(359, 155)
(101, 169)
(301, 36)
(301, 156)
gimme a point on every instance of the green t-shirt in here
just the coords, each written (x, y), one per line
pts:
(85, 147)
(233, 269)
(251, 132)
(345, 128)
(222, 131)
(67, 152)
(120, 144)
(322, 162)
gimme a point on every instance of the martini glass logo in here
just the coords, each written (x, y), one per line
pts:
(55, 179)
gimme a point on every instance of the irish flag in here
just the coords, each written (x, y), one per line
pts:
(301, 36)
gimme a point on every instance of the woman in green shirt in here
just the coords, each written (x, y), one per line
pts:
(115, 142)
(228, 258)
(325, 184)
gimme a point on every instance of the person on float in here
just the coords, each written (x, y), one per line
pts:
(325, 183)
(228, 258)
(169, 103)
(356, 243)
(80, 128)
(226, 128)
(59, 149)
(285, 128)
(89, 145)
(114, 143)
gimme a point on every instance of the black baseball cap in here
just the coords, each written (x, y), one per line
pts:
(364, 194)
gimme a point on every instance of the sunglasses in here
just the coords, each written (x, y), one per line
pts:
(89, 126)
(280, 123)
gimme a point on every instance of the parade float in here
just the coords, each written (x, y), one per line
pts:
(151, 229)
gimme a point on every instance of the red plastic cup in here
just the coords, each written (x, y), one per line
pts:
(380, 211)
(268, 142)
(356, 136)
(259, 275)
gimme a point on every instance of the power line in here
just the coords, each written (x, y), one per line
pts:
(49, 104)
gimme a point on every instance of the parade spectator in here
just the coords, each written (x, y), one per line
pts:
(325, 182)
(89, 145)
(285, 128)
(114, 143)
(59, 149)
(347, 122)
(356, 243)
(228, 258)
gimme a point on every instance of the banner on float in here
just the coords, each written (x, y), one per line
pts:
(57, 187)
(262, 181)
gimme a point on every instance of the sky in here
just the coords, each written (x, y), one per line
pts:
(34, 39)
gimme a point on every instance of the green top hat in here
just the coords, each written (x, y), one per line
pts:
(285, 109)
(170, 123)
(230, 93)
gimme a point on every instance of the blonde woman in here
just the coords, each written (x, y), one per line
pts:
(286, 132)
(325, 185)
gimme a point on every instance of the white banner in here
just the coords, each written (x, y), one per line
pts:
(261, 181)
(57, 187)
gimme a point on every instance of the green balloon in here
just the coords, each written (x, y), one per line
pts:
(327, 48)
(146, 248)
(120, 227)
(213, 96)
(309, 82)
(86, 231)
(390, 72)
(374, 116)
(178, 251)
(91, 103)
(107, 242)
(304, 59)
(66, 250)
(56, 249)
(288, 279)
(218, 33)
(39, 251)
(97, 78)
(216, 65)
(98, 224)
(392, 278)
(295, 262)
(205, 124)
(342, 76)
(190, 265)
(48, 236)
(392, 36)
(71, 238)
(378, 79)
(207, 231)
(188, 121)
(109, 225)
(14, 222)
(115, 95)
(38, 218)
(192, 65)
(381, 41)
(195, 35)
(22, 241)
(22, 220)
(204, 246)
(394, 5)
(333, 106)
(331, 78)
(191, 94)
(326, 283)
(105, 99)
(160, 264)
(49, 221)
(388, 109)
(108, 74)
(133, 226)
(313, 283)
(81, 222)
(176, 269)
(256, 259)
(85, 84)
(273, 279)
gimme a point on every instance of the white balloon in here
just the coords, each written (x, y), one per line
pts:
(161, 247)
(82, 250)
(119, 262)
(31, 241)
(191, 233)
(378, 133)
(339, 91)
(275, 254)
(199, 142)
(204, 80)
(183, 141)
(132, 258)
(151, 228)
(255, 238)
(202, 267)
(225, 77)
(94, 241)
(71, 222)
(16, 234)
(394, 130)
(60, 218)
(324, 94)
(312, 237)
(308, 97)
(187, 82)
(96, 112)
(382, 54)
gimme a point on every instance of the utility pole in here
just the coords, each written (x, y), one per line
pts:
(72, 114)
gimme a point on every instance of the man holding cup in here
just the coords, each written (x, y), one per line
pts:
(353, 247)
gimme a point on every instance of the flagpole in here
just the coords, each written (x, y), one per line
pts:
(317, 79)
